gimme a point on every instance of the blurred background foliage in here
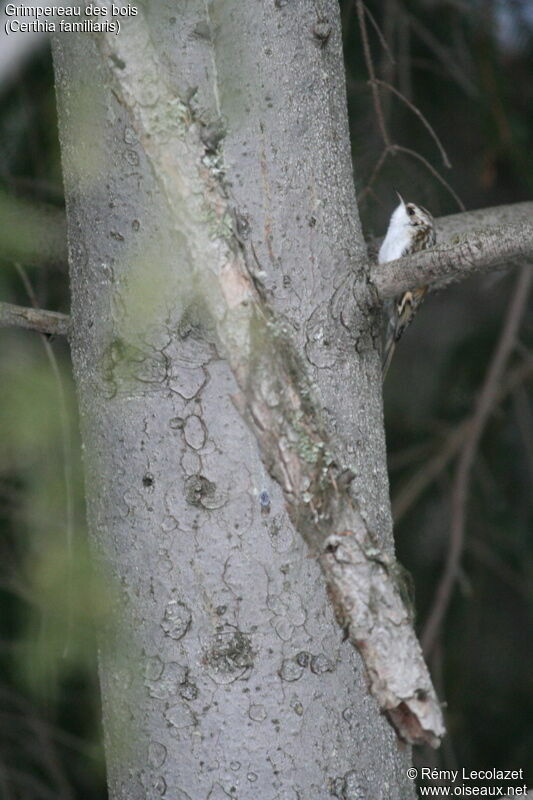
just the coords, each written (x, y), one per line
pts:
(50, 736)
(467, 66)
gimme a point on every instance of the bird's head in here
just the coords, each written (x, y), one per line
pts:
(411, 214)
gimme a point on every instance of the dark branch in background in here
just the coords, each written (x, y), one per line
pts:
(379, 34)
(429, 471)
(398, 148)
(461, 483)
(66, 446)
(277, 401)
(33, 233)
(40, 191)
(391, 148)
(444, 55)
(420, 116)
(34, 319)
(16, 51)
(371, 72)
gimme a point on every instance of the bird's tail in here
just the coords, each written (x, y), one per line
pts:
(388, 353)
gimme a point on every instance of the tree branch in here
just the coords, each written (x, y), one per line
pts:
(17, 49)
(34, 319)
(410, 492)
(468, 243)
(465, 221)
(484, 405)
(274, 394)
(33, 233)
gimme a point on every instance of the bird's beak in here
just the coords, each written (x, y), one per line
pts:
(401, 198)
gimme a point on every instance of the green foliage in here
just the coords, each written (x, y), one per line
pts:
(54, 602)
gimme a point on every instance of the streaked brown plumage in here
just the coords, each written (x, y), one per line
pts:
(410, 230)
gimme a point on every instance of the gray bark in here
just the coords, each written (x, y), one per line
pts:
(230, 677)
(276, 396)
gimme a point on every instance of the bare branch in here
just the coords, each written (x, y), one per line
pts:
(379, 33)
(277, 401)
(445, 56)
(457, 224)
(34, 233)
(34, 319)
(372, 74)
(389, 146)
(512, 578)
(481, 250)
(66, 444)
(461, 484)
(17, 49)
(374, 175)
(420, 116)
(433, 467)
(407, 150)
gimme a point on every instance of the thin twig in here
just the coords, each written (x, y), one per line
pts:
(43, 190)
(34, 319)
(405, 61)
(401, 149)
(390, 147)
(36, 787)
(431, 469)
(444, 54)
(370, 67)
(66, 444)
(420, 116)
(485, 555)
(375, 172)
(25, 711)
(407, 456)
(48, 753)
(522, 412)
(525, 352)
(487, 398)
(388, 69)
(7, 794)
(346, 21)
(380, 35)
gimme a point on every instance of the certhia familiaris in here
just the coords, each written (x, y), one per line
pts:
(411, 229)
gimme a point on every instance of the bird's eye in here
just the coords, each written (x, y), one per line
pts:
(410, 210)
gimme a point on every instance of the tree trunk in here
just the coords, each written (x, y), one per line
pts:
(228, 676)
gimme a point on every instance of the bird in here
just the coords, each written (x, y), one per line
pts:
(411, 229)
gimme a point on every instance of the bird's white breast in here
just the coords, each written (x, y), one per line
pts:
(398, 237)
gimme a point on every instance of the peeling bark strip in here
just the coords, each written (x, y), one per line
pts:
(275, 398)
(366, 590)
(365, 584)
